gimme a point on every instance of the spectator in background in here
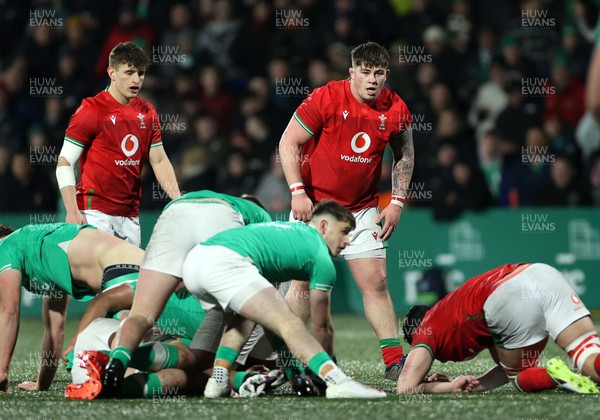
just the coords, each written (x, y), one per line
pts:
(127, 28)
(74, 85)
(561, 138)
(490, 161)
(566, 189)
(214, 99)
(463, 190)
(450, 127)
(318, 72)
(196, 170)
(487, 52)
(568, 101)
(490, 100)
(523, 182)
(576, 52)
(421, 16)
(78, 45)
(515, 119)
(263, 143)
(39, 50)
(235, 178)
(517, 66)
(206, 134)
(459, 25)
(11, 128)
(272, 189)
(30, 188)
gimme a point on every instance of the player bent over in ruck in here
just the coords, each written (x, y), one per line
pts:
(510, 310)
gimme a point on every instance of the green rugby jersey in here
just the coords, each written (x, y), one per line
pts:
(282, 251)
(39, 253)
(251, 213)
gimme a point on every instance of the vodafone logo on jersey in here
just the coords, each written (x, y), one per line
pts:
(129, 145)
(360, 143)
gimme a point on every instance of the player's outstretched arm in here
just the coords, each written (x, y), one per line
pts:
(322, 326)
(54, 314)
(65, 176)
(113, 300)
(10, 298)
(404, 162)
(164, 172)
(290, 153)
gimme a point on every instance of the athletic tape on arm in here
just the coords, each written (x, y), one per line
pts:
(65, 175)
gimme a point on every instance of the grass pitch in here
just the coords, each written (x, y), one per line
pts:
(358, 355)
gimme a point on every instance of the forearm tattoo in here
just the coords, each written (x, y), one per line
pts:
(404, 162)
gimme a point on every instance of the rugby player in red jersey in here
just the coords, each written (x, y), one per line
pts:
(332, 148)
(112, 134)
(510, 310)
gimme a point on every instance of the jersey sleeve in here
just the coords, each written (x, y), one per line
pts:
(83, 126)
(323, 272)
(423, 337)
(156, 133)
(10, 255)
(310, 113)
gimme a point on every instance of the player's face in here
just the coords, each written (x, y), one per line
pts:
(336, 235)
(126, 81)
(366, 83)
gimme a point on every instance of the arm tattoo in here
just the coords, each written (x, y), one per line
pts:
(404, 162)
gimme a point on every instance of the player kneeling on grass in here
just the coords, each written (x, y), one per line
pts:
(56, 261)
(510, 310)
(234, 270)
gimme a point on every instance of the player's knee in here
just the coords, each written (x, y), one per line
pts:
(584, 352)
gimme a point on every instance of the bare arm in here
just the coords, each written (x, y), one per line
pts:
(165, 175)
(493, 378)
(412, 379)
(65, 175)
(54, 314)
(404, 162)
(322, 326)
(113, 300)
(290, 152)
(593, 85)
(10, 299)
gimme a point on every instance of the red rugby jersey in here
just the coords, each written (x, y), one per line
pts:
(343, 159)
(116, 140)
(455, 328)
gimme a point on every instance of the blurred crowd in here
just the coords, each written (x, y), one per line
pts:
(496, 89)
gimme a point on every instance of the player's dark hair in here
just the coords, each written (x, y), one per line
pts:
(5, 230)
(412, 320)
(128, 53)
(370, 55)
(253, 199)
(341, 213)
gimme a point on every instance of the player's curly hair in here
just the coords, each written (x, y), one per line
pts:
(128, 53)
(5, 230)
(370, 55)
(412, 320)
(338, 211)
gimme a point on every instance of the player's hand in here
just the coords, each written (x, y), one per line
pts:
(464, 383)
(391, 214)
(440, 377)
(67, 351)
(29, 386)
(76, 218)
(302, 207)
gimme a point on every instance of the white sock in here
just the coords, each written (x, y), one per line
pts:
(335, 376)
(221, 375)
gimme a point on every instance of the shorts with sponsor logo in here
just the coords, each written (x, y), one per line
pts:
(94, 337)
(126, 228)
(536, 303)
(220, 277)
(181, 227)
(365, 237)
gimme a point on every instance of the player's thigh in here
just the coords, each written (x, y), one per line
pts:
(516, 360)
(152, 292)
(181, 227)
(99, 220)
(574, 331)
(267, 308)
(364, 239)
(369, 274)
(220, 277)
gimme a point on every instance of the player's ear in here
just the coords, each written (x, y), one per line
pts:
(351, 71)
(387, 73)
(111, 73)
(323, 223)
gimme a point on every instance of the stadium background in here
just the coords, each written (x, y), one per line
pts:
(507, 159)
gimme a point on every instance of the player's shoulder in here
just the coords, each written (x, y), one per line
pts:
(392, 100)
(334, 88)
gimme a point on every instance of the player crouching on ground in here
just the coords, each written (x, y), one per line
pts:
(510, 310)
(56, 261)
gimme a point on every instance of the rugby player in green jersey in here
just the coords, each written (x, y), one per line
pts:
(56, 261)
